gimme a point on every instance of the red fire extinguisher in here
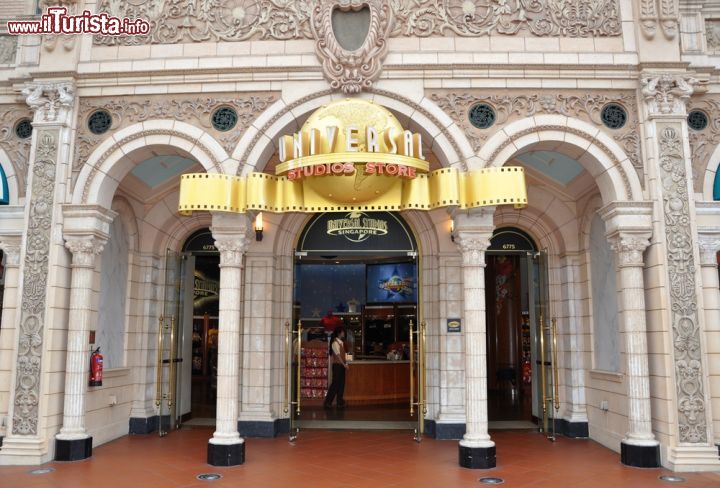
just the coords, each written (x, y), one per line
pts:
(96, 368)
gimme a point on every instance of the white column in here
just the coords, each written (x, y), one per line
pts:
(709, 248)
(473, 232)
(231, 239)
(84, 251)
(629, 261)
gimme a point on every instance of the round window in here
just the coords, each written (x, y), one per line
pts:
(697, 120)
(482, 115)
(613, 116)
(23, 129)
(224, 119)
(99, 122)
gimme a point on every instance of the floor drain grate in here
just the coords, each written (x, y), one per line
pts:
(42, 471)
(668, 478)
(209, 476)
(491, 481)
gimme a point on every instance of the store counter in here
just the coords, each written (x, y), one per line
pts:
(377, 381)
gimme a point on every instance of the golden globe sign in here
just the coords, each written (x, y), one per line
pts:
(350, 156)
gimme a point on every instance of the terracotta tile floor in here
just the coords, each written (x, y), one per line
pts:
(345, 459)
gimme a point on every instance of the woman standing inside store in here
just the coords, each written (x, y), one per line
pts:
(339, 365)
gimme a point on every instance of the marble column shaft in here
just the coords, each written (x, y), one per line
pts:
(629, 254)
(84, 252)
(231, 250)
(473, 246)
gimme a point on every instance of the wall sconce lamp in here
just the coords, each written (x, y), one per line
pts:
(452, 230)
(259, 227)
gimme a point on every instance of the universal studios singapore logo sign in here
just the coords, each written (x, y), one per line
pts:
(352, 156)
(357, 227)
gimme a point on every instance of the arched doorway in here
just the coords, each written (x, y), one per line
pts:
(519, 332)
(359, 271)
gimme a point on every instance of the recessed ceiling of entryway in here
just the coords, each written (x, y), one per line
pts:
(157, 170)
(552, 164)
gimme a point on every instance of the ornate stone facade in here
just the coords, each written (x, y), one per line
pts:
(712, 34)
(667, 93)
(48, 100)
(34, 291)
(691, 396)
(704, 142)
(126, 111)
(239, 20)
(8, 49)
(513, 105)
(18, 150)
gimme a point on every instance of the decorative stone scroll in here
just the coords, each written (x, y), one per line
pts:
(663, 12)
(512, 105)
(175, 21)
(667, 93)
(691, 398)
(34, 292)
(195, 110)
(49, 100)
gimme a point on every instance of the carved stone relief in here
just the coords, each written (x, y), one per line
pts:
(682, 286)
(513, 105)
(174, 21)
(34, 292)
(18, 150)
(351, 71)
(662, 12)
(704, 142)
(193, 110)
(712, 34)
(49, 101)
(8, 49)
(667, 93)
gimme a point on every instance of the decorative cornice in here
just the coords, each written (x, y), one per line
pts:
(49, 100)
(667, 93)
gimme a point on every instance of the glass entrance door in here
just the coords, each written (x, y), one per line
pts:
(544, 340)
(166, 393)
(418, 407)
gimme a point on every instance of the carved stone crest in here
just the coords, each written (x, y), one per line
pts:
(352, 71)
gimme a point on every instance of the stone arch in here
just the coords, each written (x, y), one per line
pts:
(11, 177)
(420, 114)
(597, 152)
(114, 158)
(179, 230)
(711, 174)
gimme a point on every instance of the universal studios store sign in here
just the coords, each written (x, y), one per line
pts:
(352, 156)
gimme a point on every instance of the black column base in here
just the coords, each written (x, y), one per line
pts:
(74, 450)
(640, 456)
(226, 455)
(477, 457)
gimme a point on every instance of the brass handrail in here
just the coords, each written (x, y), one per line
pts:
(412, 371)
(424, 370)
(299, 365)
(288, 353)
(173, 364)
(158, 374)
(556, 388)
(543, 379)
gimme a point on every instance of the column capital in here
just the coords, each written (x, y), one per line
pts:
(50, 100)
(666, 94)
(629, 247)
(709, 247)
(10, 246)
(232, 234)
(85, 249)
(473, 245)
